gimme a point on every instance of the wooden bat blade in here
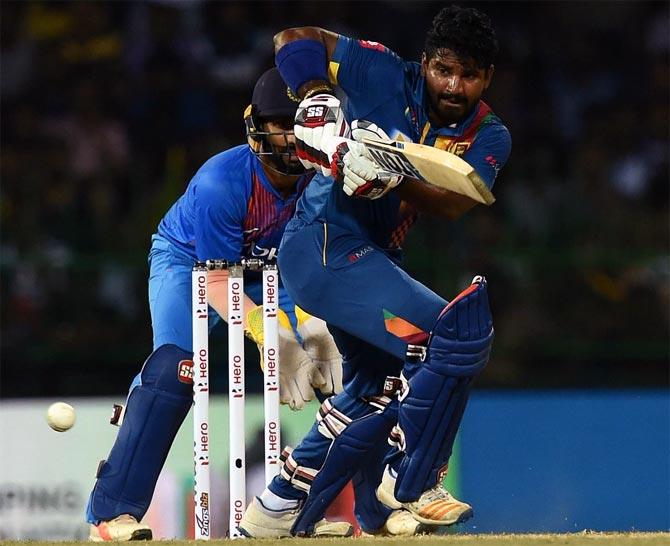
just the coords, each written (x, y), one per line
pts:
(431, 165)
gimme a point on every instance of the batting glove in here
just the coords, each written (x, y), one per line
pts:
(361, 129)
(317, 120)
(360, 175)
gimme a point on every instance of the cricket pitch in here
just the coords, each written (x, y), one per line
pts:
(574, 539)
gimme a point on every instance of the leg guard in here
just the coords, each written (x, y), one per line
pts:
(370, 513)
(355, 442)
(157, 405)
(431, 408)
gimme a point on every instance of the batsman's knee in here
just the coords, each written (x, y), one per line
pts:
(460, 343)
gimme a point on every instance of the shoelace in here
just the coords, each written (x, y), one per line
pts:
(437, 493)
(126, 518)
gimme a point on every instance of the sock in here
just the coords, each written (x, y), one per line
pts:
(274, 502)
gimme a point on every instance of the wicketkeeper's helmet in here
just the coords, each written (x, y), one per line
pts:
(271, 100)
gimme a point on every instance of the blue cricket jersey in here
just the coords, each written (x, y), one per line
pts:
(386, 90)
(230, 210)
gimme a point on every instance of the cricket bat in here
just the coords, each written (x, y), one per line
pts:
(431, 165)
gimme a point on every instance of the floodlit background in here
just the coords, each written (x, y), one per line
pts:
(108, 108)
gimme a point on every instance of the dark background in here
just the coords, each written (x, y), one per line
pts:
(108, 108)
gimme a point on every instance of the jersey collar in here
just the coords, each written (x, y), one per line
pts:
(265, 181)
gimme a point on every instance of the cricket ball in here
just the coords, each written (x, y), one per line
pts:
(60, 416)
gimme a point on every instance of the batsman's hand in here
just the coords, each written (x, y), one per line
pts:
(317, 120)
(354, 167)
(321, 348)
(296, 369)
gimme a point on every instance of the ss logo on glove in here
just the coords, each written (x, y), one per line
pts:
(314, 112)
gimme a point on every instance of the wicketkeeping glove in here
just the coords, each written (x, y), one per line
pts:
(318, 119)
(320, 346)
(296, 369)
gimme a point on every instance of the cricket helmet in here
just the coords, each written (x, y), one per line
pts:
(272, 100)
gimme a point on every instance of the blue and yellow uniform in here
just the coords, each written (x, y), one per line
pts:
(350, 249)
(340, 257)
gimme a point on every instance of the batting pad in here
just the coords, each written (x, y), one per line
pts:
(431, 410)
(350, 451)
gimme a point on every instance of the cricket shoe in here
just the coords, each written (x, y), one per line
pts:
(401, 524)
(435, 506)
(122, 528)
(261, 522)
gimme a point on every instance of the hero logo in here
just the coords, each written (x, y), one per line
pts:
(204, 444)
(271, 367)
(272, 440)
(238, 506)
(185, 372)
(202, 519)
(201, 311)
(393, 161)
(270, 293)
(203, 371)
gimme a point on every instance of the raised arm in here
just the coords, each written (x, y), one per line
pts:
(303, 54)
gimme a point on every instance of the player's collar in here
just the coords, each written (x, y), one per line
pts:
(454, 129)
(267, 184)
(457, 129)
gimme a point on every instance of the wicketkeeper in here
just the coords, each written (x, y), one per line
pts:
(236, 206)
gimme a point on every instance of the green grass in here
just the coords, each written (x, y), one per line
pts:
(574, 539)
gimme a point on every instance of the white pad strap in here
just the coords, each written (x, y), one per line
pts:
(379, 402)
(397, 438)
(301, 477)
(332, 422)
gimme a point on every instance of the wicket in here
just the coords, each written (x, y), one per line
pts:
(236, 386)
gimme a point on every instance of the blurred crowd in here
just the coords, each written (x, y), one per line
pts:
(108, 108)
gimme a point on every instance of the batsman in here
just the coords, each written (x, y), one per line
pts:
(409, 356)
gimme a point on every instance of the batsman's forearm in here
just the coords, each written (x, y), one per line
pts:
(217, 292)
(326, 37)
(434, 200)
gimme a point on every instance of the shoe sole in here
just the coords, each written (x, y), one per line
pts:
(420, 529)
(317, 534)
(434, 523)
(140, 534)
(249, 533)
(424, 529)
